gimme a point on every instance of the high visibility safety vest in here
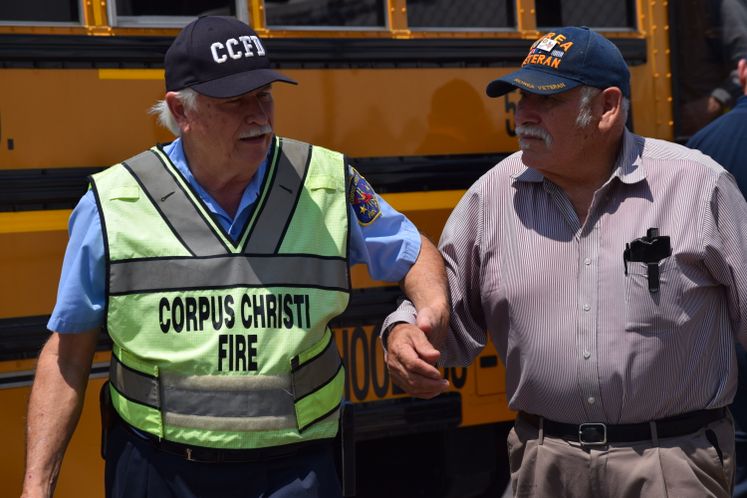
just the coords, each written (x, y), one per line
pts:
(218, 343)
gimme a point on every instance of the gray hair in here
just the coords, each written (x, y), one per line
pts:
(584, 107)
(160, 109)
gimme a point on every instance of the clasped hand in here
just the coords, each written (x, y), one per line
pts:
(411, 356)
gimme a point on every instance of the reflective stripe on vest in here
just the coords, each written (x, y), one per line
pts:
(220, 343)
(231, 402)
(227, 271)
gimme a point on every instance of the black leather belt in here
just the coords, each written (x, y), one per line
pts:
(597, 433)
(203, 454)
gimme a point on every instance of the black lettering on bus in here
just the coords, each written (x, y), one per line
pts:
(163, 318)
(359, 336)
(349, 368)
(457, 379)
(510, 108)
(380, 390)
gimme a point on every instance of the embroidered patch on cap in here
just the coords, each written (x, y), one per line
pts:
(546, 44)
(363, 199)
(548, 51)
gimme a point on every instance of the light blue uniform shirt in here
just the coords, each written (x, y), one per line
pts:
(389, 246)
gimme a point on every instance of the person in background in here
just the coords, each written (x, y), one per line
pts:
(725, 140)
(215, 263)
(609, 270)
(733, 29)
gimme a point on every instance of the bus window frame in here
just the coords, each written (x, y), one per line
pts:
(599, 29)
(451, 31)
(387, 5)
(165, 21)
(469, 30)
(602, 29)
(332, 29)
(49, 24)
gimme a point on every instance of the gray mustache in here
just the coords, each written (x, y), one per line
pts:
(533, 132)
(255, 132)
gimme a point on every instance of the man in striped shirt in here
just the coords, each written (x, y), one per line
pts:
(610, 271)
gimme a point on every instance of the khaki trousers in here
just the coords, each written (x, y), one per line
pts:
(695, 465)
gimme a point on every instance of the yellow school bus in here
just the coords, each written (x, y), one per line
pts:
(398, 86)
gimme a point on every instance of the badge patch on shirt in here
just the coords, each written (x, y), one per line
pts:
(363, 199)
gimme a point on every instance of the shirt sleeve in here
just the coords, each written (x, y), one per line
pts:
(725, 240)
(382, 238)
(460, 246)
(80, 294)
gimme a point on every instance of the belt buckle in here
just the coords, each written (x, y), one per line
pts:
(592, 434)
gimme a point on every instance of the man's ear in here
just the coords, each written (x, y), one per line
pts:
(612, 109)
(742, 72)
(176, 106)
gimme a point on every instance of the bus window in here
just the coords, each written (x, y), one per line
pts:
(325, 13)
(190, 8)
(463, 14)
(167, 12)
(40, 11)
(608, 14)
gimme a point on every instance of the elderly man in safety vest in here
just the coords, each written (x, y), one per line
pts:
(215, 263)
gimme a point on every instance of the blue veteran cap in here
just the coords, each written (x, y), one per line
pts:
(565, 59)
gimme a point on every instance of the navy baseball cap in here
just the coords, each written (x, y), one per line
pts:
(565, 59)
(219, 57)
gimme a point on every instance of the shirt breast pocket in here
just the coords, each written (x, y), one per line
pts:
(647, 311)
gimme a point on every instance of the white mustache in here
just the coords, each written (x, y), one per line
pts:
(532, 132)
(256, 131)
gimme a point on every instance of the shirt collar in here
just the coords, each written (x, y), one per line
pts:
(175, 151)
(629, 166)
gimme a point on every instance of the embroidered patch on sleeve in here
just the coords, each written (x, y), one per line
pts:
(363, 199)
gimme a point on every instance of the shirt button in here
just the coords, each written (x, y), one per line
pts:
(587, 355)
(587, 261)
(587, 307)
(591, 400)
